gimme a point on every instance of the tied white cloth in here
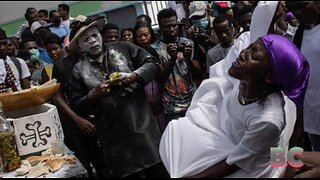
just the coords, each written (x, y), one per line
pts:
(202, 138)
(182, 157)
(194, 143)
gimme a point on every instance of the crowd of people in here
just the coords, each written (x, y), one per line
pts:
(206, 95)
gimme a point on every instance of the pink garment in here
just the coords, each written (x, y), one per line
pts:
(66, 43)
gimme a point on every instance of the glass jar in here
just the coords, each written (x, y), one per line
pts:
(8, 149)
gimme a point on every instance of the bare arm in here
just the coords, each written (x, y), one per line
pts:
(85, 126)
(25, 83)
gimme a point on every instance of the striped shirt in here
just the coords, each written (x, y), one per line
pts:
(9, 79)
(23, 27)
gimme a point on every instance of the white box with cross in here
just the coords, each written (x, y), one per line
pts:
(35, 128)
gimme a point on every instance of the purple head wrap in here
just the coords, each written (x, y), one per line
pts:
(288, 16)
(290, 69)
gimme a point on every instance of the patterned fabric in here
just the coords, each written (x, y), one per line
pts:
(153, 91)
(179, 87)
(23, 27)
(10, 79)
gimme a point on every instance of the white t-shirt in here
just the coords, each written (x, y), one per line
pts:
(24, 71)
(311, 50)
(67, 23)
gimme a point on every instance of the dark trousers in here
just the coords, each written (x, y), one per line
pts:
(88, 150)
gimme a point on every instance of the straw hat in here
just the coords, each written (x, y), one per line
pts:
(80, 24)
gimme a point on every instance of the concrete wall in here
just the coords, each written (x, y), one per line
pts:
(13, 10)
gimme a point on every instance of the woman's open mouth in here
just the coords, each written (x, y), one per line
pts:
(237, 63)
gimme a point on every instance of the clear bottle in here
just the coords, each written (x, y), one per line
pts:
(8, 149)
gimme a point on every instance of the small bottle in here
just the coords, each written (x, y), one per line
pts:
(8, 149)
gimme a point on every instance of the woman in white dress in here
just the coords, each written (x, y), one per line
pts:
(228, 132)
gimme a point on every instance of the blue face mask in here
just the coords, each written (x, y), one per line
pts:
(201, 23)
(35, 54)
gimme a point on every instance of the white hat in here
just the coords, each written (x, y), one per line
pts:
(39, 24)
(197, 8)
(80, 24)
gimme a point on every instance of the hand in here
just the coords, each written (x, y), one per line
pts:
(172, 50)
(156, 104)
(187, 51)
(85, 126)
(193, 32)
(204, 39)
(125, 79)
(100, 90)
(311, 161)
(290, 172)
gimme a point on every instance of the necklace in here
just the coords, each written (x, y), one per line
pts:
(244, 101)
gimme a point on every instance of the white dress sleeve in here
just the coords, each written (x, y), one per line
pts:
(257, 141)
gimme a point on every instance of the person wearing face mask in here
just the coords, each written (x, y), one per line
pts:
(201, 32)
(28, 45)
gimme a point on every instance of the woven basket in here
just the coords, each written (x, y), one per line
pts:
(28, 97)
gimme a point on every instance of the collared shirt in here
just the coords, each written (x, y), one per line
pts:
(24, 71)
(67, 22)
(62, 30)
